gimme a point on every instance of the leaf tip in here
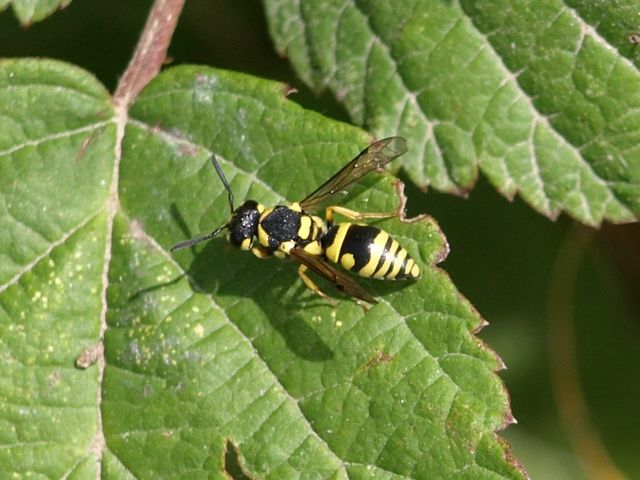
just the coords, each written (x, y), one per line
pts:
(445, 249)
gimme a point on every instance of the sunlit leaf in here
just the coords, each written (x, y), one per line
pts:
(214, 361)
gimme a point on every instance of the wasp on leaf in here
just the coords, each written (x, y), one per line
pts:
(293, 231)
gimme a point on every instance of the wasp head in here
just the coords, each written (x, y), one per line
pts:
(243, 226)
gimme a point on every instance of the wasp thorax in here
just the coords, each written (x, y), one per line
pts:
(243, 226)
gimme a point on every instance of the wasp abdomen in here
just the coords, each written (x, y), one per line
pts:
(369, 252)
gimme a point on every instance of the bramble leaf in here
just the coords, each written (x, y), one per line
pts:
(214, 361)
(542, 100)
(29, 11)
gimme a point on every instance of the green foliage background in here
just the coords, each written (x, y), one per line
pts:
(503, 258)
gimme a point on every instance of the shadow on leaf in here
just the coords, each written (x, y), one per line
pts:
(226, 273)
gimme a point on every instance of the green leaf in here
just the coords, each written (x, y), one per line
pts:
(56, 161)
(29, 11)
(214, 361)
(542, 99)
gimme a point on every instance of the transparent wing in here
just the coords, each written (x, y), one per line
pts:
(327, 271)
(376, 155)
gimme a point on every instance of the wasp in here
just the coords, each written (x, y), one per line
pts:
(294, 231)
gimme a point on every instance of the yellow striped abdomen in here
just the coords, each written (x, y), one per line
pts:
(369, 252)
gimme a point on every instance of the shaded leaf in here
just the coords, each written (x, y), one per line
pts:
(543, 100)
(29, 11)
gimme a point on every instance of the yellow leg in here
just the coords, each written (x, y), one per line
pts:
(353, 215)
(260, 252)
(312, 286)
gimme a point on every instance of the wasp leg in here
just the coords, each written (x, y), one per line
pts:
(311, 285)
(260, 252)
(353, 215)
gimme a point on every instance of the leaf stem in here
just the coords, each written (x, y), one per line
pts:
(151, 50)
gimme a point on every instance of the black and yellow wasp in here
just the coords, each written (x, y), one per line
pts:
(292, 231)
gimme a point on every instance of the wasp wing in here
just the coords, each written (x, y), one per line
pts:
(327, 271)
(376, 155)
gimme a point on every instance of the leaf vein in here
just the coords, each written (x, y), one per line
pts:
(63, 238)
(54, 136)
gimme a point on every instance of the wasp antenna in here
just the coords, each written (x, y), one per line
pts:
(216, 165)
(193, 241)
